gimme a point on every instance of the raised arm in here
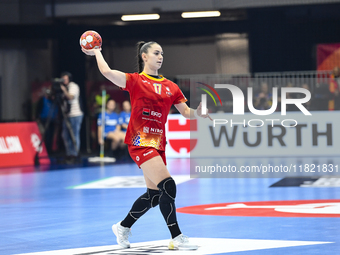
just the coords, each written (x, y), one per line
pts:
(116, 77)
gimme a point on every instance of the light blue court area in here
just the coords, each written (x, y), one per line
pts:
(70, 211)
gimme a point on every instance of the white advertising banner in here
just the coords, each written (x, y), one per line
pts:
(228, 135)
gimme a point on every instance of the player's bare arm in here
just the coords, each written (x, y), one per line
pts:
(190, 113)
(186, 112)
(116, 77)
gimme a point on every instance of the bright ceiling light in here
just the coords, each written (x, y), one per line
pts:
(204, 14)
(136, 17)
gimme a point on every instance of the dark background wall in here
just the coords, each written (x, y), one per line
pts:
(285, 39)
(280, 38)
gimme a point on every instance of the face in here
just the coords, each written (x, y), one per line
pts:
(264, 87)
(66, 79)
(154, 57)
(126, 106)
(305, 86)
(111, 105)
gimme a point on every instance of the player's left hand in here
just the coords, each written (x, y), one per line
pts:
(199, 112)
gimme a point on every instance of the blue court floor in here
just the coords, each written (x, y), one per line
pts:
(71, 210)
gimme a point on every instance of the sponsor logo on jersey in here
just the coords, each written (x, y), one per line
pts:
(137, 158)
(168, 93)
(145, 154)
(146, 111)
(156, 131)
(111, 122)
(157, 114)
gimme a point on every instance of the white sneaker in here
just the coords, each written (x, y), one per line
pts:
(181, 242)
(122, 234)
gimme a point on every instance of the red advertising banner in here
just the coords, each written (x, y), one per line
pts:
(178, 137)
(19, 143)
(328, 56)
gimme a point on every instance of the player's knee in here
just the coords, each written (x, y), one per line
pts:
(153, 197)
(150, 198)
(167, 188)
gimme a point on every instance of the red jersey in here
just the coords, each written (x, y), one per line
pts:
(151, 100)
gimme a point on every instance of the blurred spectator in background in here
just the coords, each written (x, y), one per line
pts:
(111, 126)
(75, 116)
(47, 117)
(124, 116)
(124, 119)
(309, 103)
(263, 100)
(333, 103)
(291, 107)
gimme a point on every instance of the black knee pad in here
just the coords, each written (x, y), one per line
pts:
(167, 189)
(152, 197)
(149, 199)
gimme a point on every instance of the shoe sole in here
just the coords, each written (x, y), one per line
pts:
(171, 246)
(115, 231)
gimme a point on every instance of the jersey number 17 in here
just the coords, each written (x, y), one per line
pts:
(158, 88)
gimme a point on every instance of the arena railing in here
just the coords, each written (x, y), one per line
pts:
(317, 82)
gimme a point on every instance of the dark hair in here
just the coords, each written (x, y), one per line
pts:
(142, 47)
(68, 74)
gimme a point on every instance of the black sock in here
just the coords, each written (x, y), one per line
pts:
(174, 230)
(167, 206)
(141, 206)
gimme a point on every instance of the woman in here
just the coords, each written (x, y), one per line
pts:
(111, 126)
(151, 98)
(124, 119)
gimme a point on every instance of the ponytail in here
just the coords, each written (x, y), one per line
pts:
(142, 47)
(140, 62)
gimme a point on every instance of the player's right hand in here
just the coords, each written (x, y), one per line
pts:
(90, 52)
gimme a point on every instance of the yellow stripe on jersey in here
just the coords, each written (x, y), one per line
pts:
(152, 78)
